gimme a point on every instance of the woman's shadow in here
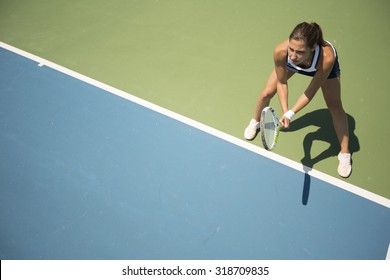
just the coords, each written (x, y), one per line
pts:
(325, 133)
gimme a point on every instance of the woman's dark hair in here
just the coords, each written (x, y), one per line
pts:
(311, 33)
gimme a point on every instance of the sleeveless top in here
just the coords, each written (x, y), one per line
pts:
(312, 69)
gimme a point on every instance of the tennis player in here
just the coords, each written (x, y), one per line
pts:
(307, 53)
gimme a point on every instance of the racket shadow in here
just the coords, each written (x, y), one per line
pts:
(323, 120)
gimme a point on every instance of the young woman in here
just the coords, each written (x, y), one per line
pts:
(307, 53)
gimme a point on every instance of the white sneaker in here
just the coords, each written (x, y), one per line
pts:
(345, 167)
(252, 130)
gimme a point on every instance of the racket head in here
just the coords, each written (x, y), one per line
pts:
(269, 128)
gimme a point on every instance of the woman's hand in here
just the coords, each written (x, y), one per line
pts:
(285, 122)
(286, 118)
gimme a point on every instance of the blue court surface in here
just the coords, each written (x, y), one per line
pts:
(86, 174)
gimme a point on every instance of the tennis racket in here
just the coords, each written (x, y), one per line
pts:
(269, 128)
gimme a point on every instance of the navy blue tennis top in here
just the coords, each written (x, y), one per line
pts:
(312, 70)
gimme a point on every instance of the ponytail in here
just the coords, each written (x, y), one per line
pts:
(311, 33)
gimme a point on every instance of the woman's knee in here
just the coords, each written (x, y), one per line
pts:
(335, 107)
(266, 95)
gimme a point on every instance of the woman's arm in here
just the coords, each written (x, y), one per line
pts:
(280, 53)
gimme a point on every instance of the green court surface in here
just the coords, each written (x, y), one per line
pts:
(208, 60)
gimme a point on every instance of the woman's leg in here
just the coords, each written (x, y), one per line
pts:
(331, 90)
(266, 95)
(263, 101)
(332, 94)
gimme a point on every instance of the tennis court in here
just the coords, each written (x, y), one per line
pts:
(118, 159)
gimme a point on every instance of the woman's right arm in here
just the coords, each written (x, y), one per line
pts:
(280, 53)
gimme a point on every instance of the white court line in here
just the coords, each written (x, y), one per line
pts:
(244, 144)
(388, 253)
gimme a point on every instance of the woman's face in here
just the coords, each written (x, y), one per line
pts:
(298, 52)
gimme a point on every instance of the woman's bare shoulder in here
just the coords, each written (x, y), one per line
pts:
(280, 51)
(328, 53)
